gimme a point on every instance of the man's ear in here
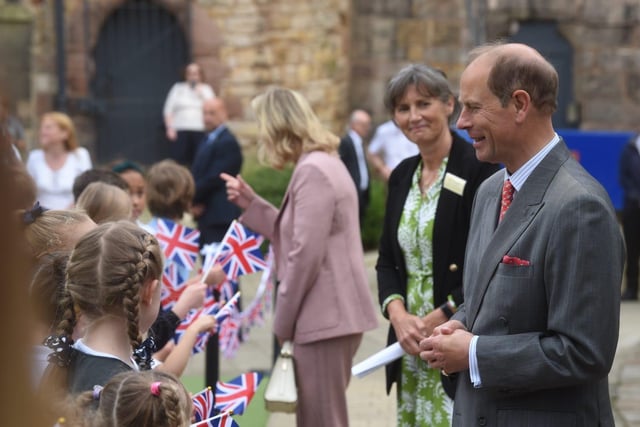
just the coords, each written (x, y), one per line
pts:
(522, 104)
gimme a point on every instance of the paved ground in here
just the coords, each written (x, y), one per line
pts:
(369, 406)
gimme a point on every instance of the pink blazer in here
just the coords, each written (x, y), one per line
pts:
(323, 289)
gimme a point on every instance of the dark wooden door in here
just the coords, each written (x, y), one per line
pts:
(544, 36)
(139, 54)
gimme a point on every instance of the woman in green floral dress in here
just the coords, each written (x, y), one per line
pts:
(421, 253)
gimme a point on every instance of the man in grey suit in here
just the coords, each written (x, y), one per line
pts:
(534, 341)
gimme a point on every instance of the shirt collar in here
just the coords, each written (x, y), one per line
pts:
(214, 133)
(355, 137)
(519, 177)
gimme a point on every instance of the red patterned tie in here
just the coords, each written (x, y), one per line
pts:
(507, 197)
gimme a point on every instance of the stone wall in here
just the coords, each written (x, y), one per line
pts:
(340, 53)
(605, 37)
(16, 23)
(298, 44)
(388, 35)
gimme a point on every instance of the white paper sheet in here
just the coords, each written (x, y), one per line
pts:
(375, 361)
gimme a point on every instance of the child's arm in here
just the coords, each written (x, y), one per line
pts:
(177, 360)
(195, 291)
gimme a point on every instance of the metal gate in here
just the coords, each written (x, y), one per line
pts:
(140, 53)
(544, 36)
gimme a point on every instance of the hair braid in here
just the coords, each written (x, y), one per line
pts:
(68, 319)
(172, 406)
(131, 306)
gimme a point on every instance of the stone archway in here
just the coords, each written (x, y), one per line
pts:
(86, 21)
(86, 18)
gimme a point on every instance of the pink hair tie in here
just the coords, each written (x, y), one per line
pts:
(155, 388)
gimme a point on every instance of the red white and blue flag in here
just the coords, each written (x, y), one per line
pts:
(240, 252)
(236, 394)
(203, 405)
(227, 289)
(172, 285)
(229, 335)
(210, 307)
(179, 243)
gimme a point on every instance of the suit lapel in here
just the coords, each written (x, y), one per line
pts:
(526, 205)
(203, 153)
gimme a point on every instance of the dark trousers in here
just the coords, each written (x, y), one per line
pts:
(631, 227)
(183, 150)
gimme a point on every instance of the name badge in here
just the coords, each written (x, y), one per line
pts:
(454, 183)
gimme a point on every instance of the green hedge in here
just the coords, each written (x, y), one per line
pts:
(272, 184)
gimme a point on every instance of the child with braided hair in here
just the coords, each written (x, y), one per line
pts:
(137, 399)
(112, 279)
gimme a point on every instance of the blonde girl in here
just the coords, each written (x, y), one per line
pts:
(113, 280)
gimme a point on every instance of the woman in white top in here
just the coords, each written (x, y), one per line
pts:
(183, 115)
(58, 162)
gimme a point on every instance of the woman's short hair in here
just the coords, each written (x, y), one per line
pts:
(65, 123)
(170, 189)
(428, 81)
(288, 127)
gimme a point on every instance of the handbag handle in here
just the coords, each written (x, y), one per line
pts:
(287, 349)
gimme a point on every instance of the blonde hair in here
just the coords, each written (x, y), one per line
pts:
(52, 230)
(170, 189)
(288, 127)
(105, 202)
(135, 399)
(65, 123)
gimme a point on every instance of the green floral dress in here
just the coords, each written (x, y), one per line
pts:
(421, 399)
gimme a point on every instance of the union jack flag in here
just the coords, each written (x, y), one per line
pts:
(229, 335)
(172, 286)
(236, 394)
(203, 405)
(227, 288)
(240, 253)
(210, 307)
(179, 243)
(222, 420)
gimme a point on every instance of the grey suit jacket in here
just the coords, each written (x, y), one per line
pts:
(548, 330)
(323, 291)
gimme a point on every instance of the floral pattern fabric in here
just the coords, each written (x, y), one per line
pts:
(422, 400)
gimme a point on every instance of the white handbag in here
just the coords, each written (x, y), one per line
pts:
(281, 394)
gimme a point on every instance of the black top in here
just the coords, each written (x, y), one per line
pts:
(87, 370)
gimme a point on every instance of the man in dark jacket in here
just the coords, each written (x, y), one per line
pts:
(219, 152)
(352, 153)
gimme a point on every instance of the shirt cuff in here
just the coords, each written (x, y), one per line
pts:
(386, 302)
(474, 372)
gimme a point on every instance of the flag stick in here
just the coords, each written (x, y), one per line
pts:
(231, 301)
(201, 422)
(218, 251)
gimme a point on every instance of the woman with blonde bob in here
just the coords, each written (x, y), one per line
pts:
(323, 301)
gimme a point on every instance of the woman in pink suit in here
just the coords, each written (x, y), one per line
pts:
(323, 301)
